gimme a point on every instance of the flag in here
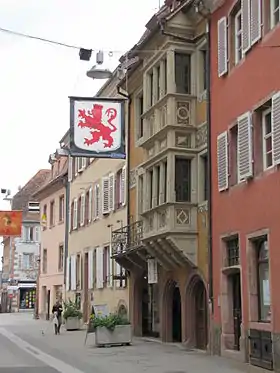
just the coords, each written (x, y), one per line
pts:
(10, 223)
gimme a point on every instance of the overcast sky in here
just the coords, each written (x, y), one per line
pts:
(36, 78)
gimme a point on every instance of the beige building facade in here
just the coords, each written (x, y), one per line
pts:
(97, 206)
(52, 209)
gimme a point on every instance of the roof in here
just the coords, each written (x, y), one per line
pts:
(25, 194)
(51, 180)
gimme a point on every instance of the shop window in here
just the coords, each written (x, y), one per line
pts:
(27, 299)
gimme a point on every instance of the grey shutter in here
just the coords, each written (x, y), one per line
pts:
(256, 21)
(276, 128)
(222, 47)
(222, 159)
(245, 148)
(246, 25)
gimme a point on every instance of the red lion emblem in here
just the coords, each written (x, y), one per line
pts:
(101, 127)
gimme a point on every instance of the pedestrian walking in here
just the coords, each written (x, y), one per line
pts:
(57, 317)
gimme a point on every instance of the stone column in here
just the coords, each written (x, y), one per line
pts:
(162, 79)
(162, 185)
(154, 191)
(171, 84)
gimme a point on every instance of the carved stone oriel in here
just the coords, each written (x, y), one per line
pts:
(163, 116)
(201, 136)
(183, 140)
(183, 113)
(183, 216)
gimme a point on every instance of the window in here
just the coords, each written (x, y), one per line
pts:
(27, 261)
(78, 271)
(183, 179)
(45, 222)
(140, 111)
(45, 261)
(233, 136)
(165, 75)
(183, 72)
(33, 206)
(61, 208)
(232, 247)
(75, 214)
(204, 177)
(140, 193)
(151, 182)
(203, 69)
(238, 37)
(118, 189)
(60, 258)
(52, 212)
(151, 86)
(30, 234)
(165, 182)
(275, 12)
(263, 278)
(267, 139)
(87, 219)
(106, 265)
(82, 210)
(81, 163)
(158, 185)
(158, 82)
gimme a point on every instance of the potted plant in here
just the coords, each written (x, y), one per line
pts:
(111, 330)
(72, 316)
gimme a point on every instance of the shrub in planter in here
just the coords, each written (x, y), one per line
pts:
(72, 316)
(112, 329)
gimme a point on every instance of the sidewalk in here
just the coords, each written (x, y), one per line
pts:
(142, 356)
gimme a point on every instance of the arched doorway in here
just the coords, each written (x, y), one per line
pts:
(200, 313)
(176, 314)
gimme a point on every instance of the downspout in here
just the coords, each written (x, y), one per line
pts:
(127, 161)
(66, 231)
(209, 170)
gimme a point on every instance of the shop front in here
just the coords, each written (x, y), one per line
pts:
(27, 296)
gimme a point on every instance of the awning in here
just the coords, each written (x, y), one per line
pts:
(27, 286)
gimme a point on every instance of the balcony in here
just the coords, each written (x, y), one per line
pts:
(127, 246)
(173, 111)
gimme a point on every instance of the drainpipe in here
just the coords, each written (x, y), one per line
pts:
(66, 231)
(127, 159)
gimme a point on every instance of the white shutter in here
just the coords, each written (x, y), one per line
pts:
(244, 147)
(99, 268)
(90, 205)
(67, 273)
(256, 20)
(110, 282)
(84, 162)
(275, 117)
(222, 159)
(118, 273)
(76, 160)
(123, 186)
(82, 212)
(73, 273)
(222, 47)
(75, 214)
(20, 258)
(246, 24)
(105, 195)
(112, 192)
(80, 164)
(70, 168)
(90, 269)
(96, 202)
(37, 234)
(70, 222)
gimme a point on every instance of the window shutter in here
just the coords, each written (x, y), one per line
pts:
(75, 214)
(222, 158)
(73, 272)
(105, 195)
(222, 47)
(70, 222)
(244, 147)
(76, 160)
(110, 282)
(96, 202)
(67, 273)
(89, 205)
(118, 273)
(112, 192)
(90, 269)
(256, 21)
(19, 261)
(82, 216)
(70, 168)
(37, 234)
(123, 186)
(99, 267)
(276, 128)
(84, 162)
(246, 25)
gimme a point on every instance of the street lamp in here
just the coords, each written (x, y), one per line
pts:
(99, 73)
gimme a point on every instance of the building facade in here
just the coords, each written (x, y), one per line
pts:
(98, 205)
(21, 254)
(164, 246)
(52, 207)
(245, 125)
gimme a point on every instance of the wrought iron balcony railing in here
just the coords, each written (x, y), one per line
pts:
(127, 238)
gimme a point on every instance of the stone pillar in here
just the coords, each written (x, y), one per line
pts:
(162, 79)
(171, 84)
(162, 185)
(170, 195)
(154, 191)
(155, 85)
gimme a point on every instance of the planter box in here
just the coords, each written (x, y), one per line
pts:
(72, 323)
(121, 335)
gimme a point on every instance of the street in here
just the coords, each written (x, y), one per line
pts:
(29, 346)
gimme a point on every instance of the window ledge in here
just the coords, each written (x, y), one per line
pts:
(260, 325)
(231, 270)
